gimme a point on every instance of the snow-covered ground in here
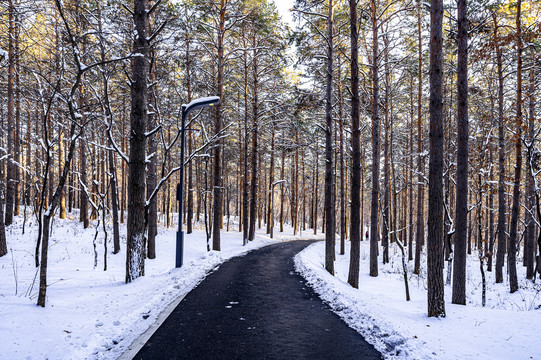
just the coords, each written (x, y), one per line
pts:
(506, 328)
(91, 313)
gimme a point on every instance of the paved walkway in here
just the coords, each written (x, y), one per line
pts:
(256, 307)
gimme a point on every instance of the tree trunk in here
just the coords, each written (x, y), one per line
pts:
(271, 180)
(254, 187)
(386, 181)
(17, 140)
(83, 201)
(10, 174)
(529, 238)
(375, 145)
(436, 301)
(282, 198)
(420, 231)
(3, 242)
(329, 188)
(152, 177)
(461, 220)
(342, 169)
(189, 207)
(217, 171)
(135, 254)
(515, 210)
(410, 160)
(355, 222)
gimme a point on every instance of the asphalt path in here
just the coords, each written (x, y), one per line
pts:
(256, 307)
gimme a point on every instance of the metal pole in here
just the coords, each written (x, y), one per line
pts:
(272, 212)
(180, 193)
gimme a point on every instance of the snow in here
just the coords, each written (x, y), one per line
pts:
(4, 54)
(401, 329)
(91, 313)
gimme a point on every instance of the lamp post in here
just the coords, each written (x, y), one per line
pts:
(186, 109)
(272, 206)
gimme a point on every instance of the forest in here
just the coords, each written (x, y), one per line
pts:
(398, 122)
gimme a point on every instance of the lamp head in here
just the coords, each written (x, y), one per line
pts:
(200, 103)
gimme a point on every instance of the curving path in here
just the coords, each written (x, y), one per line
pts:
(256, 307)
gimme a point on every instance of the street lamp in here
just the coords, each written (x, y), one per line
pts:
(272, 206)
(186, 109)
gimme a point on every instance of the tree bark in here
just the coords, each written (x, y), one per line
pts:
(529, 238)
(355, 222)
(375, 145)
(461, 220)
(135, 254)
(10, 173)
(420, 231)
(515, 209)
(329, 188)
(17, 140)
(189, 207)
(217, 170)
(254, 186)
(436, 301)
(271, 180)
(386, 221)
(3, 241)
(152, 177)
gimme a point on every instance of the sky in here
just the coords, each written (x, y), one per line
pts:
(283, 7)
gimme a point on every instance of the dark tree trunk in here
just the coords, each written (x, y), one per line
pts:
(245, 183)
(355, 222)
(114, 202)
(10, 174)
(329, 186)
(529, 238)
(500, 256)
(135, 254)
(436, 301)
(491, 234)
(28, 180)
(461, 219)
(254, 186)
(83, 200)
(191, 190)
(410, 160)
(282, 198)
(17, 140)
(420, 231)
(270, 209)
(152, 176)
(217, 171)
(3, 242)
(515, 209)
(342, 172)
(375, 145)
(386, 221)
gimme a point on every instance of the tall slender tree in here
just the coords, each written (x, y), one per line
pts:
(502, 238)
(135, 252)
(374, 208)
(436, 301)
(461, 219)
(217, 168)
(329, 176)
(355, 222)
(515, 207)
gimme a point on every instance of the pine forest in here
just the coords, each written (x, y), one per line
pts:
(402, 133)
